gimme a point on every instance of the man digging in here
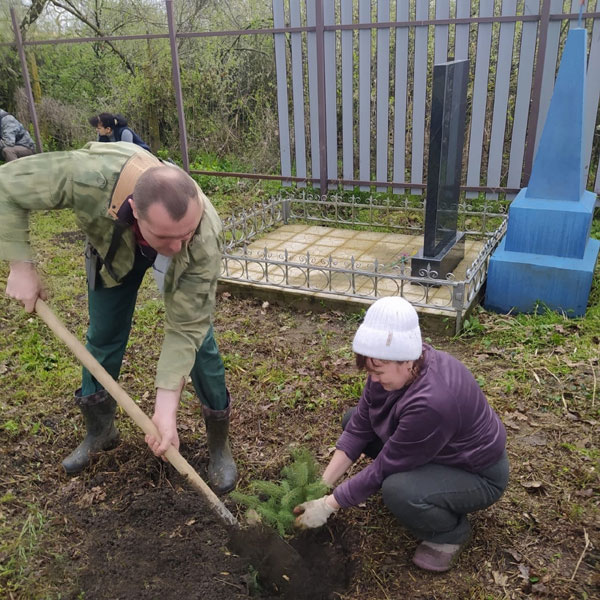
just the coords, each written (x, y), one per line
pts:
(137, 213)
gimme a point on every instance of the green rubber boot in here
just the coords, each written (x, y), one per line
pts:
(222, 472)
(98, 411)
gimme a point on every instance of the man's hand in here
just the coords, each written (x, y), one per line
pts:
(165, 419)
(24, 284)
(315, 512)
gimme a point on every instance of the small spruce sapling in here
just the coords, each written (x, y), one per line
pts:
(275, 502)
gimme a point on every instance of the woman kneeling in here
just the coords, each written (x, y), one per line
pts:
(438, 447)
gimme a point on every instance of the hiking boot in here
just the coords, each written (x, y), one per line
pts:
(436, 557)
(222, 472)
(98, 411)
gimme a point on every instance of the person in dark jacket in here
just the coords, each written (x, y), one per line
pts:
(438, 447)
(114, 128)
(15, 140)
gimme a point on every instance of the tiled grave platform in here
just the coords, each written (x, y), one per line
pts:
(325, 261)
(346, 251)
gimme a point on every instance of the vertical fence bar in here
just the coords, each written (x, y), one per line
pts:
(592, 91)
(440, 45)
(26, 80)
(538, 76)
(480, 91)
(364, 93)
(329, 57)
(501, 89)
(298, 92)
(313, 87)
(523, 95)
(320, 33)
(383, 93)
(282, 90)
(419, 96)
(177, 86)
(461, 36)
(400, 88)
(347, 100)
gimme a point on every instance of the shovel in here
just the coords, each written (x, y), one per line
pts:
(276, 561)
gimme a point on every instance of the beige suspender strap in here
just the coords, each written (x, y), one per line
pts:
(133, 168)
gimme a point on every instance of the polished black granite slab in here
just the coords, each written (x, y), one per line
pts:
(443, 245)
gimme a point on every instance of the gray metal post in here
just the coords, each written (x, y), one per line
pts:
(320, 35)
(21, 51)
(177, 87)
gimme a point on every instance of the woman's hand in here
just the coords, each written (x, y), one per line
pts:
(315, 513)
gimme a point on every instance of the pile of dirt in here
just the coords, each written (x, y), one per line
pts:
(160, 540)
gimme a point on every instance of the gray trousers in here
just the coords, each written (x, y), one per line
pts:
(432, 501)
(13, 152)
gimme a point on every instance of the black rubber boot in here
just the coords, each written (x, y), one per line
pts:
(99, 415)
(222, 472)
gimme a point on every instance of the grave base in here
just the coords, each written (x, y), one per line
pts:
(444, 262)
(517, 281)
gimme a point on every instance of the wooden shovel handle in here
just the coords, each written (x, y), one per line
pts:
(132, 409)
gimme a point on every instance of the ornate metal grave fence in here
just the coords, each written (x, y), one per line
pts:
(484, 220)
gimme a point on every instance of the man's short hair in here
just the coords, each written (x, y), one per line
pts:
(170, 186)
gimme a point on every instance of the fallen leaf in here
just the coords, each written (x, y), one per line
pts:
(516, 555)
(539, 588)
(533, 486)
(524, 572)
(499, 578)
(533, 440)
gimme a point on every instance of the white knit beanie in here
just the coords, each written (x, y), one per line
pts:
(390, 331)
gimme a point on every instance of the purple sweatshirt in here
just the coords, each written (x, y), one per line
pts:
(442, 417)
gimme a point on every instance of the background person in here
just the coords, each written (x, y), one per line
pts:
(137, 213)
(438, 448)
(114, 128)
(15, 141)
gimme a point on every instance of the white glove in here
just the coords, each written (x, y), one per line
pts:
(313, 513)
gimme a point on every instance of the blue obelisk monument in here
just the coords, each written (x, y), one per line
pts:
(547, 254)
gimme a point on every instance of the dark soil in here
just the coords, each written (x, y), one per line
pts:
(138, 533)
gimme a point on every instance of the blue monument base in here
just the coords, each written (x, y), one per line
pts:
(552, 227)
(517, 281)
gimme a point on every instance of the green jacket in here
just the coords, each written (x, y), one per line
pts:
(84, 180)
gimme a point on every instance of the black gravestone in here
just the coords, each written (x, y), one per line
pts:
(444, 246)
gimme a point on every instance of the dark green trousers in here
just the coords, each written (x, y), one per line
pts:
(111, 313)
